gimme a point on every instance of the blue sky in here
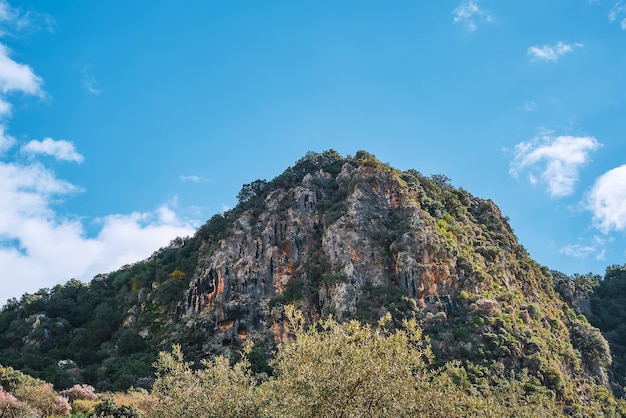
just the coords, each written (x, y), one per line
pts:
(125, 124)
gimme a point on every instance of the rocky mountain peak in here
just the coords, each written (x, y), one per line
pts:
(347, 236)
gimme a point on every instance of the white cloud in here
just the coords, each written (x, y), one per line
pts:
(469, 14)
(577, 251)
(554, 161)
(607, 200)
(618, 12)
(6, 141)
(5, 108)
(17, 77)
(41, 248)
(61, 149)
(552, 52)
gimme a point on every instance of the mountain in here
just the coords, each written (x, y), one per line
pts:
(345, 236)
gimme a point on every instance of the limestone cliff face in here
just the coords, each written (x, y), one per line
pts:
(355, 238)
(335, 240)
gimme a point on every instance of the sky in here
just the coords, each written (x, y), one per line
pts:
(126, 124)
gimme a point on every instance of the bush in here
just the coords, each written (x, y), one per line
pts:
(80, 392)
(43, 399)
(592, 345)
(107, 408)
(83, 406)
(9, 405)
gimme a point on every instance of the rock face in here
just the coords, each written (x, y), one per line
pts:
(320, 242)
(355, 238)
(350, 237)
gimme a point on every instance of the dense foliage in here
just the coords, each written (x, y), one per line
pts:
(326, 369)
(603, 301)
(342, 370)
(74, 333)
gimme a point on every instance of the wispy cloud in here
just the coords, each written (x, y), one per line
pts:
(470, 15)
(552, 52)
(584, 251)
(607, 200)
(595, 246)
(192, 179)
(618, 13)
(553, 161)
(9, 18)
(61, 150)
(577, 251)
(13, 21)
(89, 81)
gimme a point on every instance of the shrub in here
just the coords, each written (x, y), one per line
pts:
(107, 408)
(83, 406)
(138, 399)
(591, 344)
(9, 405)
(80, 392)
(43, 399)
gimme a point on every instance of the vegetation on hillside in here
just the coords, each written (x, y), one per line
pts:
(326, 369)
(602, 300)
(342, 370)
(75, 333)
(502, 343)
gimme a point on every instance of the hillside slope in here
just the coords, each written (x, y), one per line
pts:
(347, 236)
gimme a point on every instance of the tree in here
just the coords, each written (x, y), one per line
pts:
(352, 370)
(250, 190)
(217, 390)
(346, 370)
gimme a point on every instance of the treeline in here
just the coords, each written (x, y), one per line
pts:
(602, 300)
(327, 369)
(75, 333)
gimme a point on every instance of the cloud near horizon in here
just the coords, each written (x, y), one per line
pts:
(553, 161)
(607, 200)
(40, 247)
(43, 248)
(577, 250)
(552, 52)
